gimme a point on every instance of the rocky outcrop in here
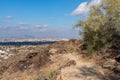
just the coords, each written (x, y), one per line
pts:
(5, 55)
(112, 65)
(57, 62)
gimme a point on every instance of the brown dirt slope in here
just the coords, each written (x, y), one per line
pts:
(59, 61)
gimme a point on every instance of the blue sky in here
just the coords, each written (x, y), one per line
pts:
(40, 18)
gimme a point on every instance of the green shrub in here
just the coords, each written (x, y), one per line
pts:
(51, 75)
(101, 26)
(71, 48)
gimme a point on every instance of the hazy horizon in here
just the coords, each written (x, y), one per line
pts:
(41, 18)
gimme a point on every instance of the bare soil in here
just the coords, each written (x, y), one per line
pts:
(59, 61)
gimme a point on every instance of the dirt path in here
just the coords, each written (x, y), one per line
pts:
(83, 70)
(69, 67)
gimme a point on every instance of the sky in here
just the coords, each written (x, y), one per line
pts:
(42, 18)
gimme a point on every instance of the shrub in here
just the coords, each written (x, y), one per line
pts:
(101, 26)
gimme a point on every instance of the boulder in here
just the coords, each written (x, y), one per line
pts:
(112, 65)
(52, 50)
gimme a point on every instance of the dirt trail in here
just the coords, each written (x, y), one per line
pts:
(58, 61)
(83, 70)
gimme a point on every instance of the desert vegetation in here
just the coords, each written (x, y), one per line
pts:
(102, 26)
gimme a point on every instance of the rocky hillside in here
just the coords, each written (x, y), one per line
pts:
(63, 60)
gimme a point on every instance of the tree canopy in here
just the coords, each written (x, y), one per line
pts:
(102, 26)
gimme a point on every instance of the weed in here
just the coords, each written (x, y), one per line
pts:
(51, 75)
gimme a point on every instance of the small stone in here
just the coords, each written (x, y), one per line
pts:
(6, 57)
(53, 51)
(109, 64)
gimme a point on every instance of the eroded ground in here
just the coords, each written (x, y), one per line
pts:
(59, 61)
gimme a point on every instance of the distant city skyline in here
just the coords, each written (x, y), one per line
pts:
(42, 18)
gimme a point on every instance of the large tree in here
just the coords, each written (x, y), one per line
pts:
(102, 26)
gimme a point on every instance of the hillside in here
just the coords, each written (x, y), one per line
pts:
(63, 60)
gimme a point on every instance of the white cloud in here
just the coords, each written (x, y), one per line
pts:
(23, 28)
(23, 24)
(41, 28)
(95, 2)
(37, 25)
(9, 17)
(84, 7)
(81, 9)
(45, 25)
